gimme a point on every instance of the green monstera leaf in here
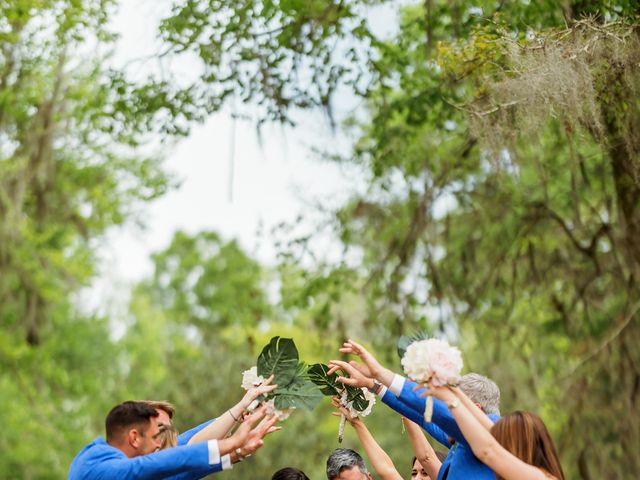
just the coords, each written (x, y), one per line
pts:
(280, 358)
(405, 340)
(300, 393)
(329, 385)
(356, 396)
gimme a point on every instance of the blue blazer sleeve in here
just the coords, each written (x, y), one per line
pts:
(184, 438)
(195, 474)
(161, 464)
(403, 409)
(442, 417)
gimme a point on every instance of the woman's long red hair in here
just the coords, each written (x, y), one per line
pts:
(525, 435)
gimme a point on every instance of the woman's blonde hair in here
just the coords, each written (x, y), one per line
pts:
(168, 436)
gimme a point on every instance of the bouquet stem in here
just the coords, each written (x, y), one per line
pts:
(343, 420)
(428, 409)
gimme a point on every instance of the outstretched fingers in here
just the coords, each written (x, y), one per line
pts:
(266, 426)
(335, 401)
(262, 389)
(256, 416)
(355, 378)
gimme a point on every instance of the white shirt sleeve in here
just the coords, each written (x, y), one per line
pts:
(226, 462)
(397, 384)
(382, 391)
(214, 452)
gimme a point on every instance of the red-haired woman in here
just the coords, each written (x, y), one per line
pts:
(518, 447)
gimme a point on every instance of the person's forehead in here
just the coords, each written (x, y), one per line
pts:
(154, 428)
(352, 474)
(163, 417)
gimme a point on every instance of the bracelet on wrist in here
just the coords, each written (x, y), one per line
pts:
(233, 416)
(375, 389)
(453, 403)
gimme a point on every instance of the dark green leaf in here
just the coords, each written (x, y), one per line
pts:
(300, 393)
(405, 340)
(356, 396)
(279, 358)
(328, 383)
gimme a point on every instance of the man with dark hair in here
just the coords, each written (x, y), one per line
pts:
(130, 429)
(346, 464)
(133, 441)
(289, 473)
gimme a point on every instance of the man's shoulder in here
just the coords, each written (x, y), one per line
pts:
(100, 448)
(97, 451)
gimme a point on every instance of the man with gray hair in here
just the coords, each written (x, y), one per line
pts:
(346, 464)
(398, 393)
(482, 391)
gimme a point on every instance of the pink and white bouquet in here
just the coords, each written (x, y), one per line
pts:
(434, 361)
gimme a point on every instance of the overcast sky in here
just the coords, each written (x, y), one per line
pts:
(272, 183)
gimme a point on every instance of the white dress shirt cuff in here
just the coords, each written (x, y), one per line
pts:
(382, 391)
(397, 384)
(226, 462)
(214, 452)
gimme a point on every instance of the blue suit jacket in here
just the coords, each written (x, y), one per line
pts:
(461, 463)
(183, 439)
(101, 461)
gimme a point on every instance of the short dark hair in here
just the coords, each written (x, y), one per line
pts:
(344, 459)
(289, 473)
(126, 415)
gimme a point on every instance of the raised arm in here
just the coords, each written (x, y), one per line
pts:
(359, 379)
(484, 446)
(243, 443)
(390, 399)
(423, 450)
(162, 464)
(221, 425)
(381, 462)
(373, 368)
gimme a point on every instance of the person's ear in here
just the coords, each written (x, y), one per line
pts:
(479, 406)
(133, 438)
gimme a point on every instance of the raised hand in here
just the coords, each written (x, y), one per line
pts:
(355, 379)
(248, 438)
(335, 401)
(446, 394)
(374, 368)
(255, 392)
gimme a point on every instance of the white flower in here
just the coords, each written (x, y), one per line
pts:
(251, 379)
(434, 360)
(280, 414)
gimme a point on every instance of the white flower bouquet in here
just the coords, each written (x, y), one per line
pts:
(434, 361)
(353, 411)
